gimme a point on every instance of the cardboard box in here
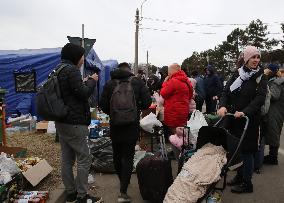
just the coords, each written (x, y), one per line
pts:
(104, 124)
(42, 126)
(38, 172)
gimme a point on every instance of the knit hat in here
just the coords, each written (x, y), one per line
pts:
(72, 52)
(124, 65)
(164, 70)
(273, 67)
(249, 52)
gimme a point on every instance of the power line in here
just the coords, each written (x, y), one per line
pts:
(177, 31)
(205, 24)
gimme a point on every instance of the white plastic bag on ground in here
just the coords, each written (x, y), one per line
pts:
(5, 177)
(137, 157)
(195, 122)
(51, 127)
(148, 122)
(91, 179)
(8, 165)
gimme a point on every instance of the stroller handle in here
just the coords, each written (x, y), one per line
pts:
(242, 137)
(232, 115)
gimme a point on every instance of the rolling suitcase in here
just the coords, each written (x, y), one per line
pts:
(154, 174)
(186, 151)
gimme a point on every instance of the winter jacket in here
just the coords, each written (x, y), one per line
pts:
(128, 133)
(212, 84)
(153, 83)
(177, 92)
(199, 89)
(275, 116)
(75, 94)
(248, 99)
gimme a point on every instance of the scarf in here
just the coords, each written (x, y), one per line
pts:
(243, 76)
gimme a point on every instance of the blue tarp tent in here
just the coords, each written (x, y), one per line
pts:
(43, 61)
(93, 63)
(109, 65)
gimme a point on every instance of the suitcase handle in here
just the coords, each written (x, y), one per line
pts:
(183, 138)
(163, 147)
(158, 130)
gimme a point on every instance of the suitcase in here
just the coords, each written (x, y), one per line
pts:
(154, 175)
(186, 151)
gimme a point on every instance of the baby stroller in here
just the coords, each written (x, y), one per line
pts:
(221, 136)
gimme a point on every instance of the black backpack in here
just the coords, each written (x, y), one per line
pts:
(123, 109)
(49, 103)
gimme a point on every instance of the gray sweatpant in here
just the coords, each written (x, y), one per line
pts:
(74, 145)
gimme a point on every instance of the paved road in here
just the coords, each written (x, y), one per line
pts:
(268, 186)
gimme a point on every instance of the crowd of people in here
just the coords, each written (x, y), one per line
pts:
(250, 88)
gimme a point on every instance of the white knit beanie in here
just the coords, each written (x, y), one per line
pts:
(249, 52)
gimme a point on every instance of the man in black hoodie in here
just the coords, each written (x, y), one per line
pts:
(213, 89)
(73, 129)
(124, 137)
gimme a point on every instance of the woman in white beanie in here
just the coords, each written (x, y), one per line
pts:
(244, 95)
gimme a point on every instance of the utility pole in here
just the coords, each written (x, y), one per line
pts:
(147, 58)
(136, 42)
(237, 45)
(86, 43)
(148, 68)
(83, 45)
(83, 32)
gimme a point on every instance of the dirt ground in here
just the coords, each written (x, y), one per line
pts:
(40, 145)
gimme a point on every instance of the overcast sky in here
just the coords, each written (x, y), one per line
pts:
(46, 23)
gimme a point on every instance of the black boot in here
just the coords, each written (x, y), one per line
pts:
(238, 179)
(270, 160)
(244, 187)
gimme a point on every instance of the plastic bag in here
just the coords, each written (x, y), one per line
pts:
(148, 122)
(51, 127)
(160, 106)
(195, 122)
(159, 99)
(5, 177)
(8, 165)
(91, 179)
(137, 157)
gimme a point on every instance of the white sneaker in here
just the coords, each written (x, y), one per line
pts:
(123, 198)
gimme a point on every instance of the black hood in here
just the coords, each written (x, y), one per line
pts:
(211, 69)
(120, 74)
(72, 52)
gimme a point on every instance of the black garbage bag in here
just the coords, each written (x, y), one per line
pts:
(101, 150)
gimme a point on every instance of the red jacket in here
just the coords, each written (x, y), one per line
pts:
(177, 92)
